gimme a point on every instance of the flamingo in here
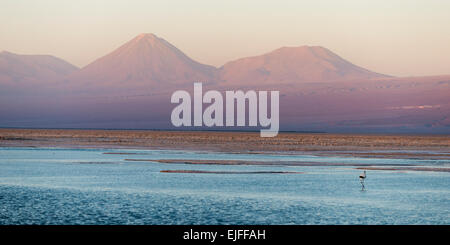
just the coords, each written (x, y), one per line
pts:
(362, 177)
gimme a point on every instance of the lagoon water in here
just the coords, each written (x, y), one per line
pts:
(86, 186)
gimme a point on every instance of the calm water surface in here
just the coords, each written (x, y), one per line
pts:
(85, 186)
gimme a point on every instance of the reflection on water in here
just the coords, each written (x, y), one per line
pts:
(86, 186)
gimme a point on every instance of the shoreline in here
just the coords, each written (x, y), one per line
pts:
(239, 142)
(431, 147)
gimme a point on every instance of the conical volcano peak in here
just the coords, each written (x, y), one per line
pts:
(146, 60)
(147, 37)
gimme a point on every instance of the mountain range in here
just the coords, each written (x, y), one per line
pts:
(131, 86)
(148, 61)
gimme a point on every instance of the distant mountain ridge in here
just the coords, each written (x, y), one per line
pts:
(15, 68)
(294, 65)
(150, 61)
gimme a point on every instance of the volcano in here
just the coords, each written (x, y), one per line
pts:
(146, 61)
(293, 65)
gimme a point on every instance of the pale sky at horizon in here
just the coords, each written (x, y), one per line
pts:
(401, 38)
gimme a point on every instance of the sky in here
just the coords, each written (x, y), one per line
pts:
(395, 37)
